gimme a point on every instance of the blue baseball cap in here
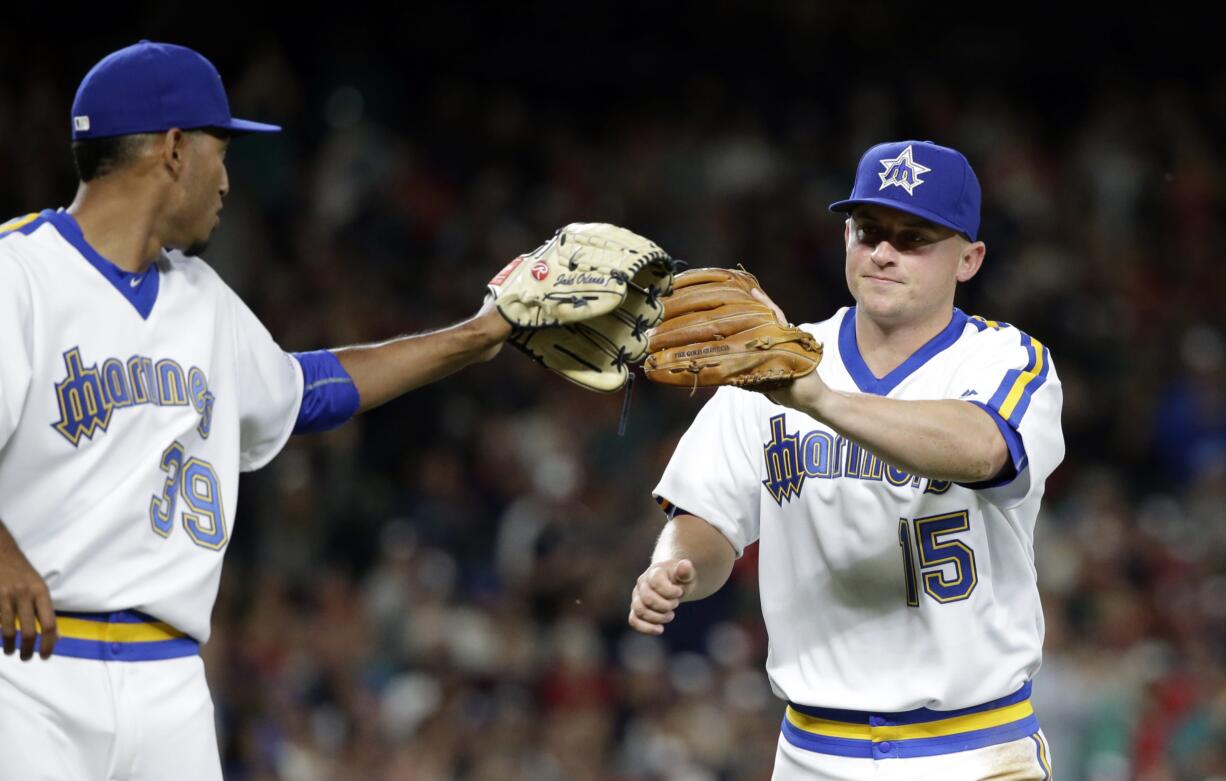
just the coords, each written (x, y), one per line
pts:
(920, 178)
(152, 87)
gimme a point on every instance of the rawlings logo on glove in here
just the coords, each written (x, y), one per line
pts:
(715, 332)
(579, 274)
(584, 306)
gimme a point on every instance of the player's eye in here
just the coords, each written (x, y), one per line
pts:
(915, 239)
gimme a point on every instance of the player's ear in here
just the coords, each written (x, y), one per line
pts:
(174, 150)
(971, 260)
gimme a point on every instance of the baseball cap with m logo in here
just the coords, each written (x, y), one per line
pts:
(921, 178)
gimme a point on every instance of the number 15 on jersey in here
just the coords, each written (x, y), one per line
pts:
(945, 567)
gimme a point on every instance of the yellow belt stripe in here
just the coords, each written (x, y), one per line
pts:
(1015, 393)
(18, 222)
(80, 629)
(930, 729)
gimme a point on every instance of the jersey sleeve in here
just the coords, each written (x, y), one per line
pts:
(269, 389)
(713, 473)
(16, 345)
(1011, 377)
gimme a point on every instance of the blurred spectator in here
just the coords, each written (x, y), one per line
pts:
(438, 591)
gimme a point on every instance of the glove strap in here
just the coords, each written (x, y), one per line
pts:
(621, 424)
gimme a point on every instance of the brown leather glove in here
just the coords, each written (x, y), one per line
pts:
(715, 332)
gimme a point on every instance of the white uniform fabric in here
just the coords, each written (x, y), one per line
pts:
(129, 403)
(122, 436)
(87, 720)
(1025, 759)
(884, 591)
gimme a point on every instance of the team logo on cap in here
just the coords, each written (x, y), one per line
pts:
(902, 171)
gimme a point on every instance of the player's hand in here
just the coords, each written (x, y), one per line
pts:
(658, 592)
(24, 599)
(760, 294)
(802, 394)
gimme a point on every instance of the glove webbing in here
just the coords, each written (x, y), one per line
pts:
(767, 342)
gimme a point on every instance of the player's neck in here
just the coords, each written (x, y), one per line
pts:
(884, 345)
(118, 225)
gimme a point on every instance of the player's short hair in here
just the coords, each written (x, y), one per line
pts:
(96, 157)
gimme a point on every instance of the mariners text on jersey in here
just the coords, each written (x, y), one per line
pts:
(88, 395)
(791, 458)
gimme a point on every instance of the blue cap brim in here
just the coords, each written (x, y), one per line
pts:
(247, 126)
(845, 207)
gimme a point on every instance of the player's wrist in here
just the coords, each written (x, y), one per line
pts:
(489, 327)
(807, 394)
(832, 407)
(815, 396)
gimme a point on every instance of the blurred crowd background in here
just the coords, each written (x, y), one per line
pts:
(438, 591)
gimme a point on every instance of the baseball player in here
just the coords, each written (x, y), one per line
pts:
(893, 493)
(135, 386)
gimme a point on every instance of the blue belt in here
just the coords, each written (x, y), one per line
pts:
(124, 636)
(917, 733)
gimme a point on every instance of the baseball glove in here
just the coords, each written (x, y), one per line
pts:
(579, 274)
(715, 332)
(583, 302)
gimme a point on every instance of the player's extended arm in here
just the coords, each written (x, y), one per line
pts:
(23, 599)
(381, 372)
(945, 439)
(692, 560)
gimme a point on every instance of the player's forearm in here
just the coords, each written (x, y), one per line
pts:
(381, 372)
(8, 546)
(941, 439)
(7, 543)
(690, 537)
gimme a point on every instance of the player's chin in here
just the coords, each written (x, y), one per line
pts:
(881, 302)
(200, 242)
(196, 248)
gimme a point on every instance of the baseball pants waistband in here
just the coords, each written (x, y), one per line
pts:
(123, 636)
(917, 733)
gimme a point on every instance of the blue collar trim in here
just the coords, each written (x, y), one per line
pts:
(865, 380)
(141, 290)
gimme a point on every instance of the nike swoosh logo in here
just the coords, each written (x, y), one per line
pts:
(134, 281)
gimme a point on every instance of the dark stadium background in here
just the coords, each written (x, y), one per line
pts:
(438, 591)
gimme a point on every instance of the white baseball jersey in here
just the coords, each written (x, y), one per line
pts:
(882, 590)
(129, 403)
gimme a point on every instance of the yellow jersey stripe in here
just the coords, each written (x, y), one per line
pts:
(1023, 379)
(19, 222)
(1043, 755)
